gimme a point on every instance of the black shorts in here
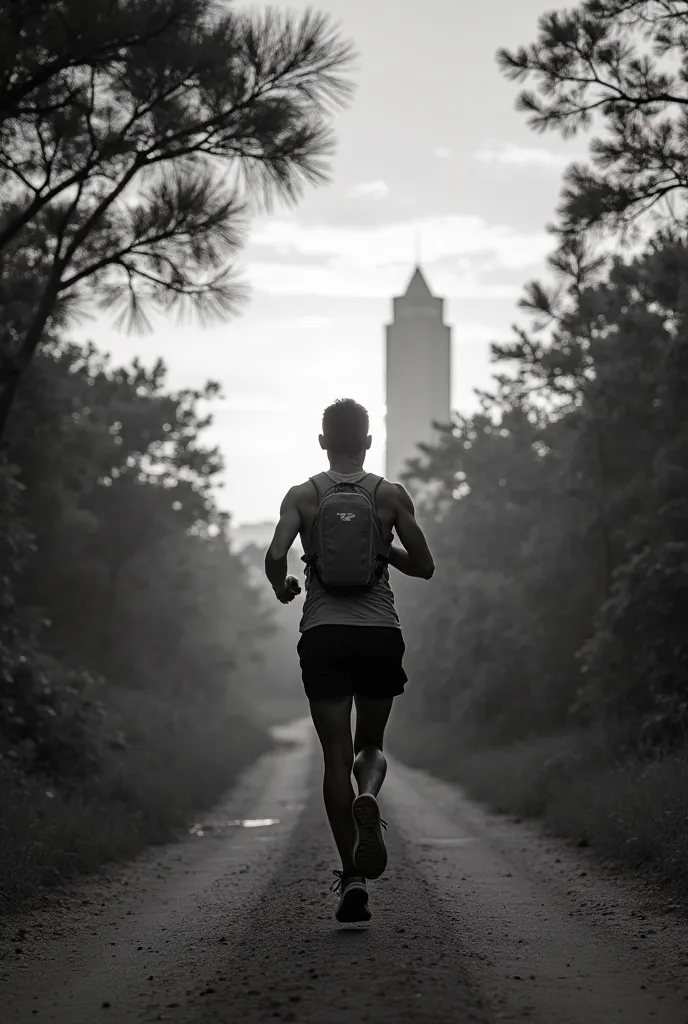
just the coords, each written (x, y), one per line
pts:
(339, 661)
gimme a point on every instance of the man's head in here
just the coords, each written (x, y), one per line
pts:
(345, 426)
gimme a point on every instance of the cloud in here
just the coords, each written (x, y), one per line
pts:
(441, 152)
(465, 256)
(369, 190)
(342, 281)
(381, 247)
(524, 156)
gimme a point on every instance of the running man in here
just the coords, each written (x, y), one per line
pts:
(351, 646)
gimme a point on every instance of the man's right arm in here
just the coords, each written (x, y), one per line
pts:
(414, 558)
(286, 587)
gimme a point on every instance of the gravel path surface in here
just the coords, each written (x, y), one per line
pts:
(477, 919)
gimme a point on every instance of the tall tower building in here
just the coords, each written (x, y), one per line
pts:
(418, 373)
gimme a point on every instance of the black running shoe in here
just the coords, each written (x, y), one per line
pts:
(370, 853)
(353, 899)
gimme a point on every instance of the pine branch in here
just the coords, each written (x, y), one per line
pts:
(136, 174)
(592, 65)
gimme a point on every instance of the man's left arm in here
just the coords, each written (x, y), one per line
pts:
(286, 587)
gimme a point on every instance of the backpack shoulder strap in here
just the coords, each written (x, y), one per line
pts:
(370, 484)
(323, 483)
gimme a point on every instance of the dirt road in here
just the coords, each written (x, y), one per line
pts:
(477, 919)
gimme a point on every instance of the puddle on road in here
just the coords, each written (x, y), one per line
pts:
(219, 828)
(441, 841)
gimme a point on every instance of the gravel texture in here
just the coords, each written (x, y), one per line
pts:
(477, 919)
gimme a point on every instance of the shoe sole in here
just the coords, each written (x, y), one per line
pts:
(370, 853)
(353, 907)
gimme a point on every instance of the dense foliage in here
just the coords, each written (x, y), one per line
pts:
(559, 518)
(559, 513)
(124, 610)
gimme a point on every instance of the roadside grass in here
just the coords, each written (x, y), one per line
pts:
(630, 811)
(51, 833)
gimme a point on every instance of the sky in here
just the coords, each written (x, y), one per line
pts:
(431, 154)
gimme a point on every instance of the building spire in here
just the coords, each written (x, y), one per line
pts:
(418, 286)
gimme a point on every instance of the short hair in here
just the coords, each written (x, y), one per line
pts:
(345, 426)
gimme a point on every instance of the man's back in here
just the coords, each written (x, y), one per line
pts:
(372, 607)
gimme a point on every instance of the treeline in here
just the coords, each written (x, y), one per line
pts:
(136, 139)
(125, 615)
(550, 652)
(559, 521)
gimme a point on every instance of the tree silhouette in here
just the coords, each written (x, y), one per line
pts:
(618, 64)
(128, 163)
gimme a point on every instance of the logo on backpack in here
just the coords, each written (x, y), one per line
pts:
(348, 560)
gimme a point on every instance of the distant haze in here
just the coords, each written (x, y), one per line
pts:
(259, 534)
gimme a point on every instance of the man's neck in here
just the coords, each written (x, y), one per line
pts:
(346, 466)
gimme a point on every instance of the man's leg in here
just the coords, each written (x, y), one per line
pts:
(370, 766)
(332, 721)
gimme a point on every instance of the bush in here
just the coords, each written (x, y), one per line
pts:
(527, 777)
(51, 718)
(636, 664)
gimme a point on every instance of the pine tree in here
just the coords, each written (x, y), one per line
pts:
(134, 139)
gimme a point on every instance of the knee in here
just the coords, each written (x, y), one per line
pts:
(339, 759)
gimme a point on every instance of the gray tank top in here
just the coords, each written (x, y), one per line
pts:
(374, 607)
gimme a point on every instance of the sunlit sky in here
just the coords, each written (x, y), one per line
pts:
(432, 148)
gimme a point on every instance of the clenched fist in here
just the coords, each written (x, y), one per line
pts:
(292, 587)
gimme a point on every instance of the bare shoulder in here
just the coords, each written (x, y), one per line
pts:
(298, 494)
(394, 495)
